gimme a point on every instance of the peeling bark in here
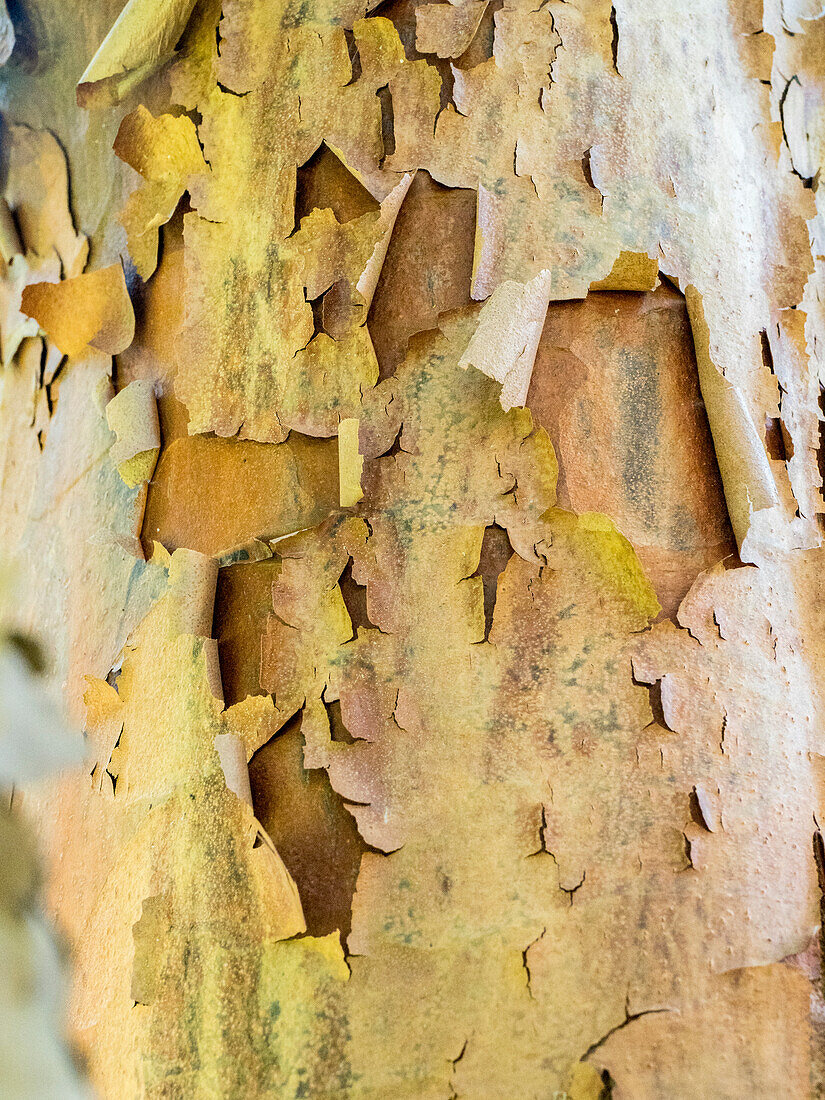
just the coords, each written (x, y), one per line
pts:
(412, 458)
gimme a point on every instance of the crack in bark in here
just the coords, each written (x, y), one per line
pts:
(614, 41)
(629, 1018)
(526, 965)
(807, 181)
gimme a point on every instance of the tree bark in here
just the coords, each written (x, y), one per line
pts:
(412, 469)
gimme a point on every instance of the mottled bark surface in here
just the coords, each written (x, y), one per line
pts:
(411, 461)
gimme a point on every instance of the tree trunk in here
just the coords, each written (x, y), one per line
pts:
(411, 466)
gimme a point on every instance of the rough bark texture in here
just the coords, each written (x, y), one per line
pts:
(411, 462)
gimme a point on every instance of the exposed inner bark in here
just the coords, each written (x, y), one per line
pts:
(310, 826)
